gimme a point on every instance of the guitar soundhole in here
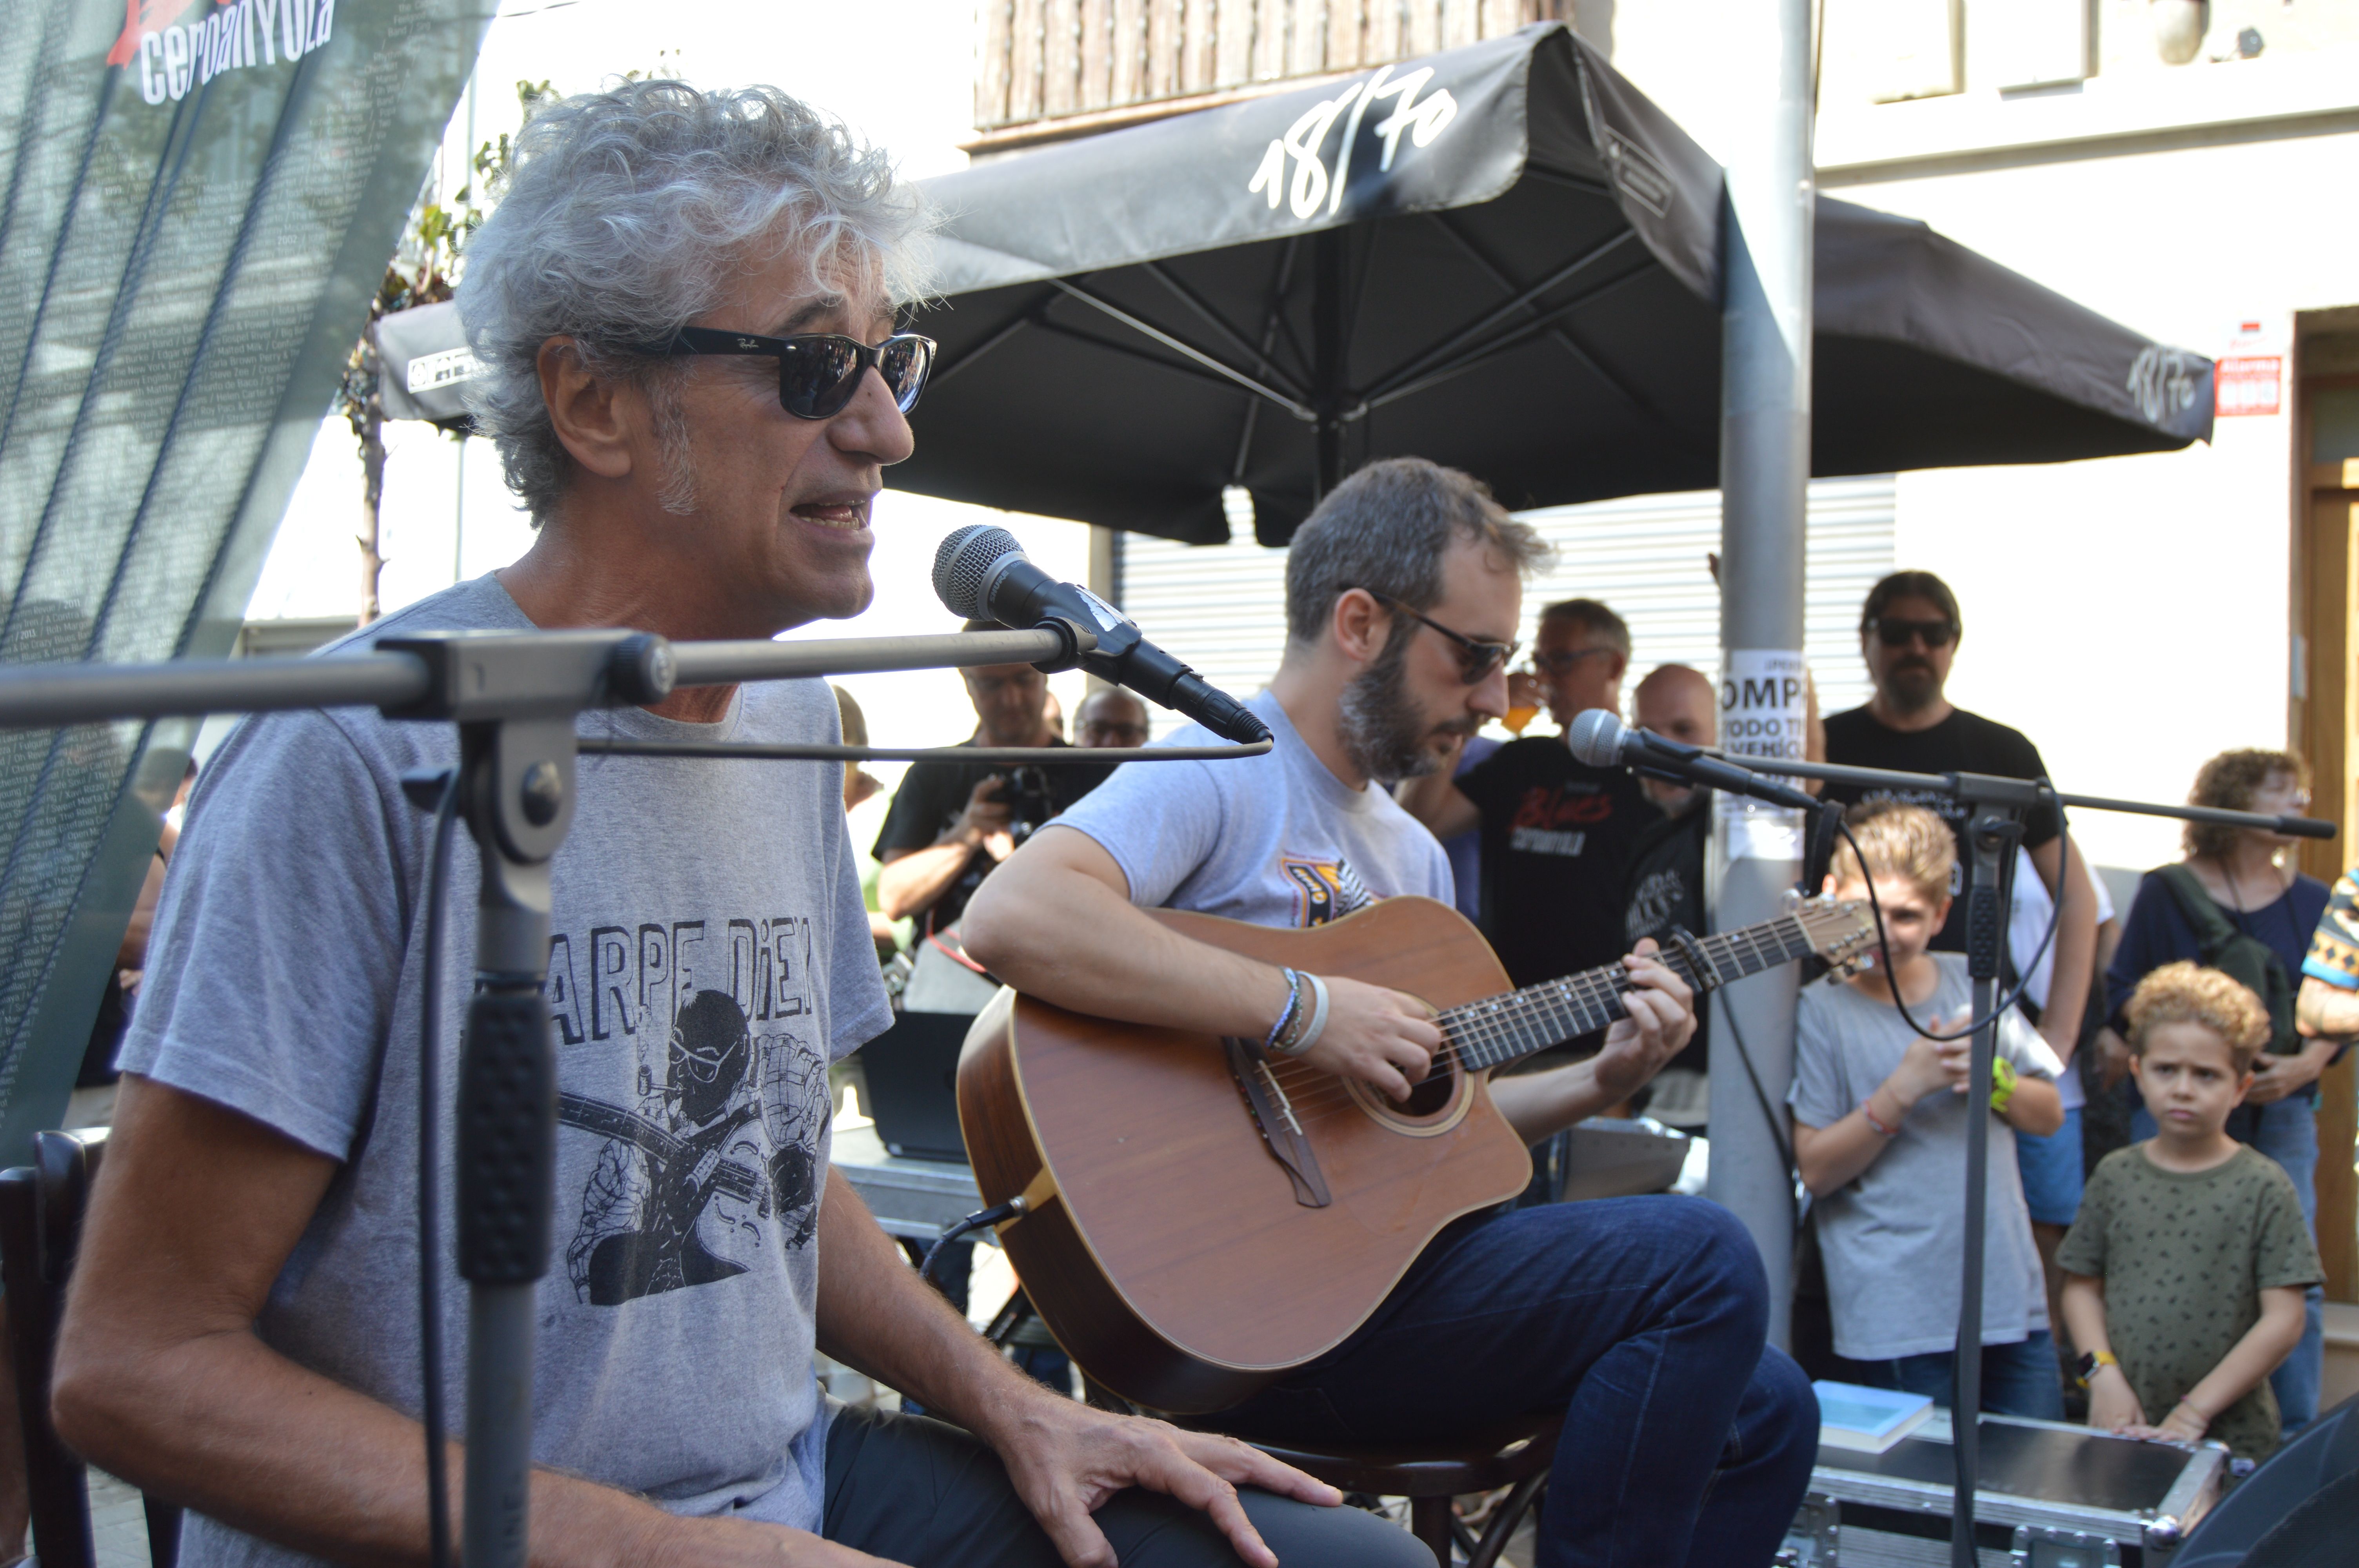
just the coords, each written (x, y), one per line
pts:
(1432, 1097)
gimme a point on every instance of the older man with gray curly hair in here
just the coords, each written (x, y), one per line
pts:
(679, 304)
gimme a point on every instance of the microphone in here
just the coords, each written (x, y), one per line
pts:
(1600, 739)
(982, 574)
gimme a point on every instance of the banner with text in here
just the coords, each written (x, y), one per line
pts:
(202, 196)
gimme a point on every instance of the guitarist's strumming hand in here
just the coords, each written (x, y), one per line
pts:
(1383, 1038)
(1659, 1021)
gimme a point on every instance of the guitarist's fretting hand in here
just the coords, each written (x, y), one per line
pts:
(1383, 1038)
(1658, 1021)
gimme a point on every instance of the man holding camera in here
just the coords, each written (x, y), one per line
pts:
(952, 823)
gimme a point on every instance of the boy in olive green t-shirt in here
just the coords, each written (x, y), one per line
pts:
(2186, 1268)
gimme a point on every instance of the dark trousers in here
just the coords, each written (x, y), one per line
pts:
(1687, 1440)
(912, 1490)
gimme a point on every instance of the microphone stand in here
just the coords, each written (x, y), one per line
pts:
(514, 697)
(1997, 807)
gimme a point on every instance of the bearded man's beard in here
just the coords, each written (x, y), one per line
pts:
(1378, 723)
(1912, 687)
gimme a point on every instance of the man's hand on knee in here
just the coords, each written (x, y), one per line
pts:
(1066, 1459)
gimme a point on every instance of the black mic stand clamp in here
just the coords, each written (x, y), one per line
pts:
(515, 698)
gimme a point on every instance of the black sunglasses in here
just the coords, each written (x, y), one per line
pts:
(820, 372)
(1896, 634)
(1477, 657)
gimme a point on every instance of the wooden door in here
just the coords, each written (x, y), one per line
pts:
(2329, 731)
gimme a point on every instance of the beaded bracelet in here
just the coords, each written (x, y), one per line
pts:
(1867, 1109)
(1285, 1014)
(1294, 1037)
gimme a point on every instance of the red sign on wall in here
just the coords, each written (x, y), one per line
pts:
(2249, 385)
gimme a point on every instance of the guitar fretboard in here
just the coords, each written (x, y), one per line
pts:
(1501, 1028)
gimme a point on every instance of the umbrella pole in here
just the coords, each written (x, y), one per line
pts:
(1328, 332)
(1764, 451)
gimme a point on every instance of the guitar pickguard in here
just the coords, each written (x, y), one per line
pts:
(1280, 1131)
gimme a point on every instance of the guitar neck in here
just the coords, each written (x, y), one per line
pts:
(1500, 1029)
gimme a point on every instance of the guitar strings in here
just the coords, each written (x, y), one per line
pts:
(1488, 1021)
(1470, 1027)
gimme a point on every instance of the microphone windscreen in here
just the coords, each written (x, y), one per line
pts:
(1595, 737)
(962, 565)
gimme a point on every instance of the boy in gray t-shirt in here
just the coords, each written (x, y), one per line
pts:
(1880, 1134)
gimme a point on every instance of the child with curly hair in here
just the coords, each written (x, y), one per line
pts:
(2186, 1269)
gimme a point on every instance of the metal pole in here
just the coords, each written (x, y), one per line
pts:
(1765, 466)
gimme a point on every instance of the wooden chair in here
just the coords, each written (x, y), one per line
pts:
(41, 1207)
(1514, 1454)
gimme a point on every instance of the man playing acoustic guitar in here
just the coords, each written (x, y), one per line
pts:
(1687, 1440)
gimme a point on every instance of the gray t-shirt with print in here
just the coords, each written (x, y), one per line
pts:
(1275, 839)
(710, 957)
(1894, 1238)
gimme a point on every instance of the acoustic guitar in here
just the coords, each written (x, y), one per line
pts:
(1198, 1220)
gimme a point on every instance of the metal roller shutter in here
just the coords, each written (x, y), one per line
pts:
(1223, 610)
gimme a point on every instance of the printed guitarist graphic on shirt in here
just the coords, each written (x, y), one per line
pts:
(1323, 890)
(1552, 819)
(710, 1170)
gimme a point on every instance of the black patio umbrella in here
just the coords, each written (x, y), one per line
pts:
(1503, 257)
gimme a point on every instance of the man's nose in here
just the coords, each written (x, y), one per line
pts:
(1489, 697)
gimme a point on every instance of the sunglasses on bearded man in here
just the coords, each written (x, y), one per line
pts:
(1477, 657)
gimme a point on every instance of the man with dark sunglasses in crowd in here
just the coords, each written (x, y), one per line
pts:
(1909, 633)
(1557, 833)
(1685, 1440)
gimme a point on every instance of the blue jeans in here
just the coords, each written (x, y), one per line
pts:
(2288, 1134)
(2017, 1378)
(1686, 1440)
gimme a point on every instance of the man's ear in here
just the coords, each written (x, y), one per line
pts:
(591, 414)
(1359, 625)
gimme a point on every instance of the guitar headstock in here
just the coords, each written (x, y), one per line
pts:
(1840, 931)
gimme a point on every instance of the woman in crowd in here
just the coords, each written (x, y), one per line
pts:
(2232, 902)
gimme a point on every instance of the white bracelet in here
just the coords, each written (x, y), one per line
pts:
(1318, 1015)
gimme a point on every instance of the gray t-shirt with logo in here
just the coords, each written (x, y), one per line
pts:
(1894, 1238)
(710, 957)
(1275, 839)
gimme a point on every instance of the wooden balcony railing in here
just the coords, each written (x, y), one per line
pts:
(1048, 69)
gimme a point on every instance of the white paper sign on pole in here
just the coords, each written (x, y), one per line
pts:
(1765, 713)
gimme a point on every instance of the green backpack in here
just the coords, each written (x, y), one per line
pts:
(2243, 958)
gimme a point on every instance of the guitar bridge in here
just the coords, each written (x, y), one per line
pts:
(1273, 1115)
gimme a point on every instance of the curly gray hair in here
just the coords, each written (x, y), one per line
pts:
(622, 218)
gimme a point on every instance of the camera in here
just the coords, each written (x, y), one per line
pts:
(1025, 792)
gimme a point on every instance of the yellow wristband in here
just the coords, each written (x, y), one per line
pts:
(2002, 1083)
